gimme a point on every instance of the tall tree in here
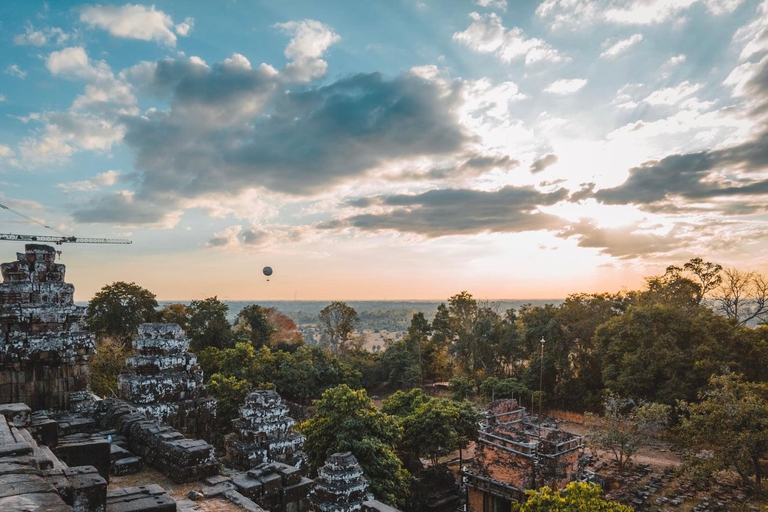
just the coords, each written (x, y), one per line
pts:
(118, 309)
(346, 420)
(731, 419)
(208, 325)
(338, 322)
(253, 320)
(743, 296)
(625, 426)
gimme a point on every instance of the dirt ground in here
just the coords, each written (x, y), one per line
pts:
(177, 491)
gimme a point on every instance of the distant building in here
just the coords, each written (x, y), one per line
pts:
(514, 455)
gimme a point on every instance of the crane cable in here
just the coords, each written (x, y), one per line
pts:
(30, 219)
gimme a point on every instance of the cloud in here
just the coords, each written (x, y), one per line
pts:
(672, 95)
(753, 37)
(615, 49)
(492, 4)
(14, 70)
(566, 86)
(124, 208)
(32, 37)
(543, 162)
(473, 166)
(136, 22)
(445, 212)
(582, 13)
(107, 178)
(310, 41)
(625, 241)
(232, 128)
(487, 34)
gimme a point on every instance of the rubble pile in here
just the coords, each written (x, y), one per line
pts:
(264, 433)
(165, 382)
(340, 485)
(43, 348)
(160, 446)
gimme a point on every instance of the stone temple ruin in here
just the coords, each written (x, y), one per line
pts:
(340, 485)
(165, 382)
(513, 455)
(59, 445)
(264, 433)
(43, 347)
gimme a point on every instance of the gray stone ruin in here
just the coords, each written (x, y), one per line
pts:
(264, 433)
(43, 348)
(164, 381)
(340, 485)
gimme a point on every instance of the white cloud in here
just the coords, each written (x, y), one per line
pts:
(5, 151)
(107, 178)
(32, 37)
(581, 13)
(15, 70)
(310, 41)
(2, 98)
(619, 47)
(672, 95)
(493, 4)
(136, 22)
(102, 87)
(754, 35)
(566, 86)
(487, 34)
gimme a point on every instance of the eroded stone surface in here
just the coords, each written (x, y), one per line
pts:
(44, 349)
(165, 382)
(340, 485)
(264, 433)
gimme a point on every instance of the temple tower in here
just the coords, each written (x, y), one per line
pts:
(43, 348)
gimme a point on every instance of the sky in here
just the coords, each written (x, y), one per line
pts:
(387, 149)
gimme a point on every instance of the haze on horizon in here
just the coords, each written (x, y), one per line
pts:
(396, 150)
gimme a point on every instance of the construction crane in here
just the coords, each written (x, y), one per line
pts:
(58, 240)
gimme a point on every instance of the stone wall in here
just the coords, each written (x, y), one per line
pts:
(43, 348)
(164, 381)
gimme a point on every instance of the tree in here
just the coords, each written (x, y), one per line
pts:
(731, 419)
(337, 324)
(625, 426)
(208, 325)
(402, 365)
(118, 309)
(253, 320)
(175, 314)
(346, 420)
(105, 365)
(743, 296)
(704, 275)
(438, 426)
(577, 497)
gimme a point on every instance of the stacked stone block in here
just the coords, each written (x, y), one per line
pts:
(160, 446)
(340, 485)
(43, 348)
(264, 433)
(164, 381)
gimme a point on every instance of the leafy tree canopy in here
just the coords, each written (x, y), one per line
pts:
(577, 497)
(118, 309)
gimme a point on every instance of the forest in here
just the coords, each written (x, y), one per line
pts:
(687, 353)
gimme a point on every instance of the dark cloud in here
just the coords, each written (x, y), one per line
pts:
(122, 209)
(460, 212)
(231, 128)
(692, 177)
(470, 167)
(543, 162)
(622, 242)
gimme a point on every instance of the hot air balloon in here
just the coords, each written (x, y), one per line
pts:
(267, 272)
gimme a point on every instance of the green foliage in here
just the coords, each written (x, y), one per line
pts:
(254, 322)
(230, 393)
(577, 497)
(346, 420)
(402, 366)
(461, 387)
(731, 420)
(338, 322)
(494, 388)
(208, 325)
(117, 310)
(176, 314)
(402, 403)
(625, 426)
(105, 365)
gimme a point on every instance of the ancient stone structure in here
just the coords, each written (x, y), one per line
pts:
(160, 446)
(43, 348)
(165, 382)
(340, 485)
(264, 433)
(513, 455)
